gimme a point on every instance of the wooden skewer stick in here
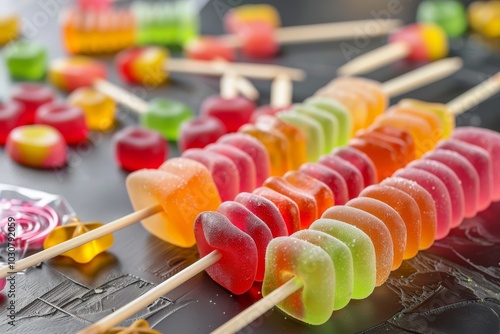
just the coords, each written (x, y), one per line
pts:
(474, 96)
(149, 297)
(218, 68)
(325, 32)
(120, 95)
(281, 91)
(246, 88)
(228, 89)
(79, 240)
(422, 76)
(377, 58)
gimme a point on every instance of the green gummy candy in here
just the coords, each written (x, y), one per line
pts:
(166, 117)
(448, 14)
(362, 250)
(293, 259)
(26, 60)
(329, 124)
(342, 262)
(340, 112)
(311, 129)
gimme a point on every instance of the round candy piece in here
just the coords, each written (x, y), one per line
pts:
(288, 209)
(407, 208)
(449, 15)
(254, 149)
(342, 262)
(467, 175)
(71, 73)
(375, 229)
(265, 110)
(233, 113)
(362, 250)
(484, 17)
(10, 118)
(266, 211)
(98, 108)
(143, 65)
(439, 193)
(224, 171)
(329, 124)
(395, 138)
(311, 268)
(137, 148)
(349, 172)
(330, 177)
(209, 48)
(426, 41)
(243, 161)
(249, 223)
(237, 266)
(183, 188)
(199, 132)
(258, 41)
(399, 148)
(245, 15)
(26, 60)
(10, 27)
(31, 96)
(426, 205)
(166, 117)
(39, 146)
(338, 111)
(69, 120)
(390, 218)
(361, 161)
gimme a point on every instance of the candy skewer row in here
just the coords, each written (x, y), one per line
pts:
(209, 192)
(167, 286)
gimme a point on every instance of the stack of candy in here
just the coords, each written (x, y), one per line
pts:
(449, 15)
(484, 18)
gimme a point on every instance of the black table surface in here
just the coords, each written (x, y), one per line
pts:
(454, 287)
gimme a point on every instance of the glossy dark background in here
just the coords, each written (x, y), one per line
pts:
(453, 287)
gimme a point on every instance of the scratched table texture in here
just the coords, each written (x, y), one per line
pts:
(452, 287)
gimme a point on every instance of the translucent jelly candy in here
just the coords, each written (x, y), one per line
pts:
(258, 41)
(427, 41)
(431, 118)
(449, 15)
(31, 96)
(426, 205)
(183, 188)
(26, 60)
(397, 136)
(137, 148)
(297, 144)
(330, 177)
(290, 258)
(244, 163)
(320, 191)
(10, 25)
(254, 149)
(342, 262)
(362, 250)
(375, 229)
(71, 73)
(441, 110)
(224, 171)
(233, 112)
(328, 123)
(10, 118)
(276, 145)
(199, 132)
(349, 172)
(207, 48)
(248, 14)
(248, 222)
(488, 140)
(266, 210)
(464, 170)
(439, 193)
(84, 253)
(289, 210)
(143, 65)
(399, 149)
(166, 117)
(69, 120)
(315, 137)
(361, 161)
(237, 266)
(390, 218)
(481, 160)
(452, 183)
(98, 108)
(340, 113)
(138, 327)
(307, 204)
(39, 146)
(407, 208)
